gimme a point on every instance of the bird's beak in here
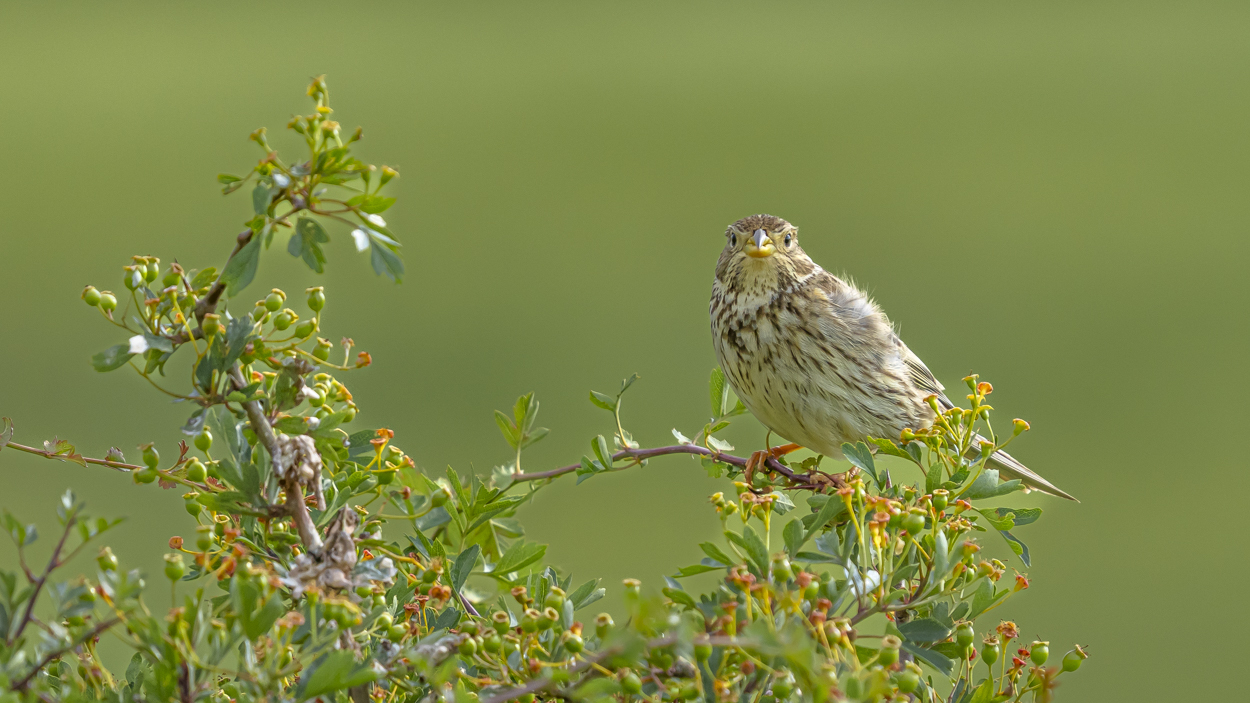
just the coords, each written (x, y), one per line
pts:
(760, 245)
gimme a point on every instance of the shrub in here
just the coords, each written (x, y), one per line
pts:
(327, 565)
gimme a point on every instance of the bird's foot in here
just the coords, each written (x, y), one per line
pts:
(759, 459)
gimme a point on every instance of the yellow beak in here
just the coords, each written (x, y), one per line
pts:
(760, 246)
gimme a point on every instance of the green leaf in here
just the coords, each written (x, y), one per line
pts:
(600, 447)
(860, 455)
(941, 558)
(581, 597)
(603, 400)
(204, 278)
(386, 261)
(112, 358)
(510, 431)
(719, 444)
(463, 566)
(260, 199)
(372, 204)
(750, 541)
(832, 508)
(938, 661)
(226, 178)
(793, 535)
(1019, 548)
(241, 268)
(886, 446)
(680, 597)
(924, 630)
(716, 554)
(519, 556)
(306, 242)
(998, 522)
(337, 670)
(1022, 516)
(933, 479)
(695, 569)
(719, 392)
(627, 383)
(983, 693)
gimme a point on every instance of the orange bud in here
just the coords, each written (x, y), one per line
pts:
(175, 542)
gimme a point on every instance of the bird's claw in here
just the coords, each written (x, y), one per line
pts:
(760, 459)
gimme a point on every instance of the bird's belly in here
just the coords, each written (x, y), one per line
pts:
(805, 389)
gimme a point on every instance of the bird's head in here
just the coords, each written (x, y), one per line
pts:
(762, 253)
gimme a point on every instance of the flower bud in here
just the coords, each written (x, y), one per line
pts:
(91, 296)
(1018, 427)
(107, 560)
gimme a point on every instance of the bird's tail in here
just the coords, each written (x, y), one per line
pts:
(1009, 468)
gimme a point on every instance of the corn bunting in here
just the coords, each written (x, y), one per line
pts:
(811, 356)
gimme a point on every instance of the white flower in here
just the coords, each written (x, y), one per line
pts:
(138, 344)
(362, 239)
(376, 219)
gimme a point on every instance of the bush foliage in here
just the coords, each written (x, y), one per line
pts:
(326, 565)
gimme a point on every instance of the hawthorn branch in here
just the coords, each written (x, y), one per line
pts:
(209, 302)
(37, 585)
(817, 481)
(22, 683)
(294, 506)
(118, 465)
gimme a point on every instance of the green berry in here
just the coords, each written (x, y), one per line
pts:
(908, 681)
(193, 506)
(151, 457)
(396, 632)
(631, 684)
(283, 320)
(1039, 652)
(175, 569)
(196, 471)
(211, 324)
(500, 621)
(468, 647)
(259, 312)
(385, 620)
(108, 302)
(555, 598)
(940, 498)
(321, 353)
(964, 634)
(439, 497)
(1073, 659)
(913, 523)
(151, 272)
(204, 440)
(990, 652)
(702, 650)
(147, 475)
(91, 296)
(783, 688)
(107, 560)
(273, 301)
(469, 627)
(492, 644)
(204, 537)
(889, 651)
(316, 299)
(573, 643)
(430, 576)
(305, 329)
(171, 278)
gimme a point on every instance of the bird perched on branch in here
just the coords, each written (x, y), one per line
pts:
(812, 357)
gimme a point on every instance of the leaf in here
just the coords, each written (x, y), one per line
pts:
(678, 596)
(716, 554)
(718, 390)
(112, 358)
(750, 541)
(933, 479)
(603, 400)
(204, 278)
(583, 592)
(448, 618)
(519, 556)
(985, 486)
(600, 447)
(998, 522)
(337, 670)
(886, 446)
(1019, 548)
(510, 431)
(7, 435)
(306, 242)
(1023, 516)
(681, 438)
(924, 630)
(793, 535)
(372, 204)
(241, 268)
(696, 569)
(941, 558)
(386, 261)
(260, 199)
(463, 566)
(860, 455)
(938, 661)
(830, 510)
(983, 693)
(719, 445)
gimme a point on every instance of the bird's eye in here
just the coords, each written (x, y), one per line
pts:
(733, 240)
(788, 240)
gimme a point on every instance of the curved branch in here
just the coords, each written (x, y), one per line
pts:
(814, 481)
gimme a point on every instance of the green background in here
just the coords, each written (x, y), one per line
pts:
(1053, 197)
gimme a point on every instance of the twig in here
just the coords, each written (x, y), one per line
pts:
(801, 480)
(120, 466)
(23, 682)
(39, 582)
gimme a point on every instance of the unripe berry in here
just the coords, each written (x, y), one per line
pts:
(499, 620)
(196, 471)
(204, 440)
(550, 617)
(908, 681)
(132, 277)
(781, 568)
(91, 296)
(204, 537)
(940, 498)
(1073, 659)
(274, 301)
(192, 505)
(107, 560)
(316, 299)
(151, 271)
(108, 302)
(889, 651)
(322, 350)
(913, 523)
(259, 312)
(175, 569)
(491, 644)
(171, 278)
(964, 634)
(147, 475)
(396, 632)
(385, 620)
(603, 625)
(1039, 652)
(783, 687)
(151, 457)
(438, 498)
(283, 320)
(211, 324)
(573, 643)
(305, 329)
(631, 684)
(990, 650)
(555, 598)
(702, 649)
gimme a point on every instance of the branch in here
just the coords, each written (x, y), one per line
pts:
(120, 466)
(38, 584)
(22, 683)
(209, 302)
(815, 481)
(295, 506)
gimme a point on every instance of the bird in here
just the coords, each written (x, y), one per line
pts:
(813, 358)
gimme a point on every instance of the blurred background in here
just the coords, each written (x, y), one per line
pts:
(1053, 197)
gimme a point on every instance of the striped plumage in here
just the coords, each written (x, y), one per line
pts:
(810, 355)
